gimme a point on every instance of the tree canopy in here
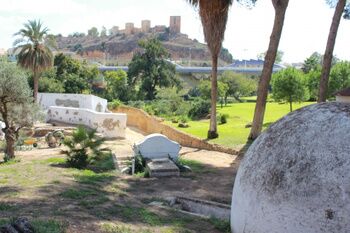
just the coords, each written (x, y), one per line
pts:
(289, 85)
(16, 104)
(34, 45)
(150, 70)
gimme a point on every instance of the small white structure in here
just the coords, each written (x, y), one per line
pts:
(155, 146)
(87, 110)
(91, 102)
(295, 176)
(110, 125)
(343, 96)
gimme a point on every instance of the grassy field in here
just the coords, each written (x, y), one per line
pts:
(234, 132)
(58, 199)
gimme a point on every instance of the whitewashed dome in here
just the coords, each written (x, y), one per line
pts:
(295, 177)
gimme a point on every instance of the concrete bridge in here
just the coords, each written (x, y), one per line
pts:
(203, 70)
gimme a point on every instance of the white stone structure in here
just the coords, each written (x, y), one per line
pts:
(110, 125)
(87, 110)
(343, 96)
(295, 176)
(155, 146)
(91, 102)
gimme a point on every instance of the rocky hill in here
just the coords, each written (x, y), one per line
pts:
(118, 49)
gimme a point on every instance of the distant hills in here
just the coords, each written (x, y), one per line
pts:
(118, 49)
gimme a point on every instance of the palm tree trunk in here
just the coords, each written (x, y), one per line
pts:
(36, 85)
(212, 133)
(328, 55)
(280, 11)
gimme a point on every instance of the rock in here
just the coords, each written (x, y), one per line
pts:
(183, 125)
(126, 170)
(22, 225)
(295, 176)
(248, 125)
(185, 168)
(156, 146)
(8, 228)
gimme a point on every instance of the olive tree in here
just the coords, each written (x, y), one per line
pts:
(17, 109)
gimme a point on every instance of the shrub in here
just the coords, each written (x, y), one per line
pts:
(222, 118)
(114, 104)
(82, 146)
(199, 109)
(136, 104)
(183, 119)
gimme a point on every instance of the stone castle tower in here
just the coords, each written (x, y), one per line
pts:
(175, 24)
(145, 26)
(129, 28)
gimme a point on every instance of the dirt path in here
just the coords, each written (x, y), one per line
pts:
(218, 170)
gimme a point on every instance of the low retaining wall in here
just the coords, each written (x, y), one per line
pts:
(146, 123)
(110, 125)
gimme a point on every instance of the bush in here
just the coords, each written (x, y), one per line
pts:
(114, 104)
(199, 109)
(222, 118)
(183, 119)
(83, 146)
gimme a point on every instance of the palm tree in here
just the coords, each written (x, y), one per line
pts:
(328, 55)
(214, 18)
(280, 7)
(34, 50)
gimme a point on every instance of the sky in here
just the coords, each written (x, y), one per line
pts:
(247, 34)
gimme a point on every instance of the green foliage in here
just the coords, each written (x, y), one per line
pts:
(117, 86)
(50, 85)
(339, 77)
(313, 83)
(83, 146)
(17, 109)
(76, 77)
(34, 46)
(199, 109)
(221, 225)
(204, 88)
(289, 85)
(150, 70)
(93, 32)
(222, 118)
(312, 63)
(114, 104)
(238, 85)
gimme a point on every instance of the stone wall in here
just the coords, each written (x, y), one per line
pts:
(72, 100)
(110, 125)
(146, 123)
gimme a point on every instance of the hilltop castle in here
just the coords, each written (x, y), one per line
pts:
(174, 27)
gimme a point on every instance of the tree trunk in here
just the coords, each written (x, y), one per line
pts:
(36, 85)
(328, 54)
(290, 104)
(280, 10)
(10, 137)
(212, 133)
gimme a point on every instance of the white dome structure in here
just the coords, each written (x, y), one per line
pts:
(295, 177)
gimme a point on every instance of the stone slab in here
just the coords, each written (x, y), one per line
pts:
(162, 167)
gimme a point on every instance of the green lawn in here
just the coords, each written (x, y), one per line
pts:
(234, 133)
